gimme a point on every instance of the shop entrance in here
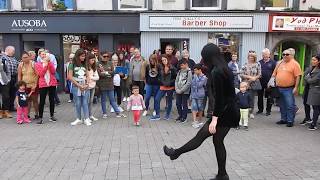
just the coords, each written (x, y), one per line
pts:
(178, 44)
(33, 45)
(303, 55)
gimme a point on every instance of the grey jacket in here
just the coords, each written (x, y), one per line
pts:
(183, 81)
(313, 80)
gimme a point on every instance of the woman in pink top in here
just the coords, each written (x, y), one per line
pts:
(93, 77)
(47, 84)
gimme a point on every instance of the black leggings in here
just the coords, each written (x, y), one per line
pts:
(118, 92)
(218, 138)
(43, 94)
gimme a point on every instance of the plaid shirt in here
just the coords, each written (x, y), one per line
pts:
(12, 65)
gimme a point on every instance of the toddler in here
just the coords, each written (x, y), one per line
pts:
(244, 103)
(136, 105)
(22, 103)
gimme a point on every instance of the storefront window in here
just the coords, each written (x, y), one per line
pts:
(28, 4)
(132, 4)
(73, 42)
(275, 4)
(3, 5)
(227, 42)
(178, 44)
(57, 5)
(204, 4)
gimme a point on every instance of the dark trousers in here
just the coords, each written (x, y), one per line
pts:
(56, 97)
(43, 94)
(264, 93)
(182, 105)
(71, 96)
(5, 92)
(307, 108)
(140, 84)
(118, 92)
(12, 93)
(316, 113)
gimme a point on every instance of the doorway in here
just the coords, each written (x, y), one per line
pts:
(303, 55)
(178, 44)
(33, 45)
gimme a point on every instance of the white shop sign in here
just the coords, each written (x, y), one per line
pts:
(197, 22)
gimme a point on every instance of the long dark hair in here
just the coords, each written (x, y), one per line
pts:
(168, 64)
(76, 59)
(213, 58)
(91, 66)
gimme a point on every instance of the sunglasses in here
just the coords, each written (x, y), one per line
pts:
(286, 54)
(252, 51)
(105, 56)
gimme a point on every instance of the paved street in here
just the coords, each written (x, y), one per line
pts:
(115, 149)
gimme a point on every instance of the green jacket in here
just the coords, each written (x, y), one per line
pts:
(105, 81)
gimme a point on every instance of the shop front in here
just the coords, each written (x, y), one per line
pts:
(301, 32)
(63, 34)
(232, 32)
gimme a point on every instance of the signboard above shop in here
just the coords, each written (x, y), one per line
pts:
(201, 22)
(294, 23)
(71, 23)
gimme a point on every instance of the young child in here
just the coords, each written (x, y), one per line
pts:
(22, 103)
(244, 103)
(198, 86)
(182, 86)
(136, 104)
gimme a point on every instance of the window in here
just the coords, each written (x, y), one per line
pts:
(29, 4)
(133, 4)
(60, 5)
(3, 5)
(205, 4)
(275, 4)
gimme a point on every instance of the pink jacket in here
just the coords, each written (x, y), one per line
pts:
(41, 71)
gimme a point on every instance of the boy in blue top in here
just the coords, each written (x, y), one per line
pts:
(244, 103)
(198, 85)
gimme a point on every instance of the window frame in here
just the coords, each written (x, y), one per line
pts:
(290, 5)
(36, 8)
(133, 9)
(206, 8)
(7, 6)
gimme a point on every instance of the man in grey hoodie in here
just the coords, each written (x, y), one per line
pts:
(182, 86)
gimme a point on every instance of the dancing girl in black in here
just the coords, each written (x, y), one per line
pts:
(226, 113)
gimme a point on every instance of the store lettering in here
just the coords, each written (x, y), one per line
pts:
(197, 23)
(29, 23)
(305, 20)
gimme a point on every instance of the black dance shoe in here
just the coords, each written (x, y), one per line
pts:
(224, 177)
(170, 152)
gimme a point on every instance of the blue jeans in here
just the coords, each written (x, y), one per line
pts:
(151, 90)
(159, 96)
(90, 100)
(81, 102)
(287, 104)
(182, 105)
(110, 94)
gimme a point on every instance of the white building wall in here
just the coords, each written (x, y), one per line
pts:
(94, 5)
(151, 41)
(309, 3)
(241, 5)
(252, 41)
(168, 5)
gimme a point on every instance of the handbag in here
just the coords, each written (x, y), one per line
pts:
(256, 85)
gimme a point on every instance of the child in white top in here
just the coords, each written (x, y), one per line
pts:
(116, 82)
(136, 104)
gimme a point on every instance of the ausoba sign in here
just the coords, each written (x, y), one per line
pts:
(223, 22)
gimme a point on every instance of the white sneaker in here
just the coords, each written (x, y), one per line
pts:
(121, 115)
(87, 122)
(120, 109)
(154, 113)
(251, 116)
(70, 101)
(93, 118)
(112, 110)
(138, 123)
(145, 112)
(76, 122)
(124, 99)
(105, 116)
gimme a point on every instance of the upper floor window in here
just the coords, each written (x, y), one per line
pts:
(205, 4)
(276, 4)
(60, 5)
(29, 4)
(133, 4)
(3, 5)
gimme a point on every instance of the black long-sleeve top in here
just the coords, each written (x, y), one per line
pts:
(224, 97)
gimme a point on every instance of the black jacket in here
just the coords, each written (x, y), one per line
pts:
(169, 79)
(223, 94)
(244, 100)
